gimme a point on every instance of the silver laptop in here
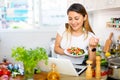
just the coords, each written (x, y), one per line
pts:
(63, 66)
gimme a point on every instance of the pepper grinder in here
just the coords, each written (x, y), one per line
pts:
(89, 70)
(98, 67)
(53, 74)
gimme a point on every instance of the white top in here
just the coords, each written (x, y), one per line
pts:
(78, 41)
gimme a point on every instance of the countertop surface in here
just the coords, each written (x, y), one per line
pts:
(43, 76)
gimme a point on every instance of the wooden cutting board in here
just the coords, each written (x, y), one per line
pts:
(108, 43)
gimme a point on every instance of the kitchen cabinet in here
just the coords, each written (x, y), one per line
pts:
(117, 3)
(107, 4)
(97, 5)
(74, 1)
(90, 6)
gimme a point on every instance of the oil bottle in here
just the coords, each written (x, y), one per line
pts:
(53, 74)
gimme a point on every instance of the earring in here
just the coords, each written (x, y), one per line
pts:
(83, 29)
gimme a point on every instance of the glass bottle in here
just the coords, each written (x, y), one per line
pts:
(117, 48)
(4, 59)
(53, 74)
(112, 50)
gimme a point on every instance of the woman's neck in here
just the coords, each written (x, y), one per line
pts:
(77, 33)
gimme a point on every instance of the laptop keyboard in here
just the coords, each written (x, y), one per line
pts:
(78, 69)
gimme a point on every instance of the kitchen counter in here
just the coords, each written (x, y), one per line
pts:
(43, 76)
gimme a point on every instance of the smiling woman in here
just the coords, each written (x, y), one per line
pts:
(76, 33)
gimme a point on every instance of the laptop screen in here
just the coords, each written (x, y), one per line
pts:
(63, 66)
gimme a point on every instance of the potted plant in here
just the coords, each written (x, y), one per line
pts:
(29, 58)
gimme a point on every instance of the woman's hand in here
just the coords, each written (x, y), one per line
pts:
(93, 42)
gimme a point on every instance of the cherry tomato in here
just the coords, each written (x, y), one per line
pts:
(6, 72)
(69, 50)
(78, 49)
(103, 73)
(1, 72)
(106, 72)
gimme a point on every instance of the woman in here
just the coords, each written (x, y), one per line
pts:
(76, 33)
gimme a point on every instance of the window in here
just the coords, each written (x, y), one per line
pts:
(15, 11)
(53, 12)
(40, 13)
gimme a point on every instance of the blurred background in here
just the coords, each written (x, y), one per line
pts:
(33, 23)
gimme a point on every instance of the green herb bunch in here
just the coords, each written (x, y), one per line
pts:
(30, 57)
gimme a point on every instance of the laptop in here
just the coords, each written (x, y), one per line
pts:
(63, 66)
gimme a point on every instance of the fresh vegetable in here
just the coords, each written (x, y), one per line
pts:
(103, 73)
(107, 54)
(29, 57)
(1, 72)
(104, 62)
(75, 51)
(4, 71)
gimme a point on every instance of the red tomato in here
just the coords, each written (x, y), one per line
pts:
(6, 72)
(69, 50)
(103, 73)
(78, 49)
(1, 72)
(106, 72)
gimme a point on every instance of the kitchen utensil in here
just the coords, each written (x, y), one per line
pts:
(108, 43)
(114, 68)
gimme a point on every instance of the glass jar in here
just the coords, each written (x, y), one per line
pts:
(28, 72)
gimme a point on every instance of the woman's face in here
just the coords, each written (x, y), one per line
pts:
(75, 20)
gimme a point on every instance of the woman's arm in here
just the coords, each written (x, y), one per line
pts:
(57, 47)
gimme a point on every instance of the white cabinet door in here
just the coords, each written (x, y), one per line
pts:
(96, 5)
(117, 3)
(75, 1)
(107, 4)
(90, 5)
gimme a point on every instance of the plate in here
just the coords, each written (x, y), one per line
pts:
(74, 54)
